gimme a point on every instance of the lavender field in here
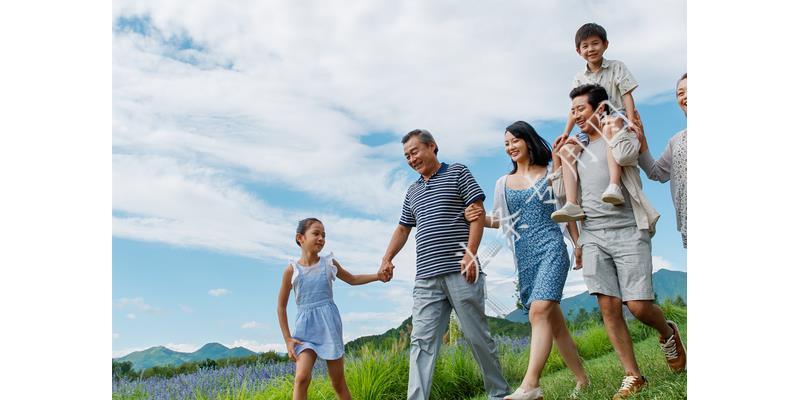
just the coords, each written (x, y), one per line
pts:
(382, 374)
(210, 383)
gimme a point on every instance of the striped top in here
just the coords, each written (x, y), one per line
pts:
(436, 208)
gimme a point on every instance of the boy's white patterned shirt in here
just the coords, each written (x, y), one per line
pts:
(613, 76)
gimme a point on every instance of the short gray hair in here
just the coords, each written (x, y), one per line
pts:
(423, 136)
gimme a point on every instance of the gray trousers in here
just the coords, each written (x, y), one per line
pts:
(433, 300)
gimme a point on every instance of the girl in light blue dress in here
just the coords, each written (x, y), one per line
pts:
(318, 326)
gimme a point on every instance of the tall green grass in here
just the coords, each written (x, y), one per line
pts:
(606, 375)
(383, 374)
(377, 375)
(456, 375)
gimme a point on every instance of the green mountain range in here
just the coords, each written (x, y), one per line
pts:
(161, 355)
(497, 327)
(667, 284)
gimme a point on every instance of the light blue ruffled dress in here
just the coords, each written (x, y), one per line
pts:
(318, 324)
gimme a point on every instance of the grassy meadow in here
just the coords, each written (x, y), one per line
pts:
(381, 373)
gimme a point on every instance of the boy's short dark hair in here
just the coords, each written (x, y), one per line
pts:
(588, 30)
(596, 95)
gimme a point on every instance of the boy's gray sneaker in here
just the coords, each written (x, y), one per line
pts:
(570, 212)
(613, 195)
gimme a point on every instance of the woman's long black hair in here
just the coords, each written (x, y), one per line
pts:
(539, 152)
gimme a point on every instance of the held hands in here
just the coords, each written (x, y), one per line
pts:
(568, 147)
(578, 258)
(469, 267)
(559, 143)
(638, 129)
(290, 343)
(473, 212)
(611, 125)
(386, 271)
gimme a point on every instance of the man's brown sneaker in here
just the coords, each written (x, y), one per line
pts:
(630, 384)
(673, 349)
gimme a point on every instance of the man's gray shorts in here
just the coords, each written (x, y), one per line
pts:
(618, 262)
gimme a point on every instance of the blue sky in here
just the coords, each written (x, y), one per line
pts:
(224, 137)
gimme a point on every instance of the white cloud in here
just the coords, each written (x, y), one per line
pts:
(136, 304)
(218, 292)
(196, 135)
(115, 335)
(662, 263)
(257, 346)
(252, 325)
(309, 81)
(187, 204)
(131, 316)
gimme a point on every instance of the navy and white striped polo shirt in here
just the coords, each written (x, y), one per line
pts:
(436, 208)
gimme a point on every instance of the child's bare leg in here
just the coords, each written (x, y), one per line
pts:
(614, 170)
(336, 373)
(569, 173)
(613, 193)
(302, 374)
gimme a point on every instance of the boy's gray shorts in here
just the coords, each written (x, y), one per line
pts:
(618, 262)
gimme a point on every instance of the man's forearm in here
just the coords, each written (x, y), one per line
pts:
(399, 238)
(475, 236)
(572, 228)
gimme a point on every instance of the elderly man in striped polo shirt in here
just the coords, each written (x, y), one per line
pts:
(448, 275)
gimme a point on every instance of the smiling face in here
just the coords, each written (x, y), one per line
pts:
(592, 49)
(313, 240)
(680, 93)
(420, 156)
(586, 118)
(517, 149)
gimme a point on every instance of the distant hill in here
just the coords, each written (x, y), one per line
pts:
(384, 339)
(667, 284)
(497, 327)
(161, 355)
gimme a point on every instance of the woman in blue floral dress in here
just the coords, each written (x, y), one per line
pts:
(523, 203)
